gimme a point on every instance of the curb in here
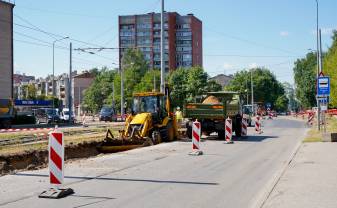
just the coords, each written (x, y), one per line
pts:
(268, 189)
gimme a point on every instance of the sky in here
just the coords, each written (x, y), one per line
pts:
(237, 34)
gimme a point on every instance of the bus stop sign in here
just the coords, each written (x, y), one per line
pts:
(323, 88)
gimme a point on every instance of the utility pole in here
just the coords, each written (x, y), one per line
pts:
(70, 83)
(154, 81)
(162, 46)
(53, 80)
(252, 89)
(122, 89)
(318, 71)
(247, 92)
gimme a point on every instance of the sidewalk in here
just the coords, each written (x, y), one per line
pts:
(310, 180)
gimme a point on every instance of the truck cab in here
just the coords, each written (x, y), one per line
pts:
(6, 113)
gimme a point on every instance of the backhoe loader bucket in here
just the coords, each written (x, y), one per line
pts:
(112, 145)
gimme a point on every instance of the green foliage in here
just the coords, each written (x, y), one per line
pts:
(31, 92)
(188, 83)
(266, 87)
(281, 103)
(330, 69)
(100, 91)
(305, 80)
(149, 82)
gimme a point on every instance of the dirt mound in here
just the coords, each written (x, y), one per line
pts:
(33, 160)
(211, 100)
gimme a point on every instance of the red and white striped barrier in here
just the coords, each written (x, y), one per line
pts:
(244, 127)
(25, 129)
(56, 167)
(228, 132)
(311, 118)
(56, 157)
(258, 128)
(196, 136)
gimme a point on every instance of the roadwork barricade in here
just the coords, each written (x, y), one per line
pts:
(56, 167)
(196, 136)
(258, 127)
(229, 132)
(244, 126)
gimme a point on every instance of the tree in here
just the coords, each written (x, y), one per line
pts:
(135, 66)
(189, 83)
(100, 91)
(177, 81)
(31, 92)
(149, 82)
(305, 80)
(281, 103)
(266, 87)
(330, 69)
(196, 83)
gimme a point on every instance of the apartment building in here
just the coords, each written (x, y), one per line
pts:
(182, 44)
(6, 50)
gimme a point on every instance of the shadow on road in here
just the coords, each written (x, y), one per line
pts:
(254, 138)
(122, 179)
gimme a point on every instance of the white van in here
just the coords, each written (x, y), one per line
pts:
(65, 115)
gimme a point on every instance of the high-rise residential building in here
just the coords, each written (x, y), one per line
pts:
(6, 50)
(183, 38)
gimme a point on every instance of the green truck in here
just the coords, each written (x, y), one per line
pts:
(213, 112)
(6, 113)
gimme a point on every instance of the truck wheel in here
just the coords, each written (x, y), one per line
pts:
(189, 130)
(7, 124)
(222, 135)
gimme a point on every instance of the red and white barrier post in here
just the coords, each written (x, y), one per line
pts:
(244, 127)
(196, 136)
(228, 132)
(258, 128)
(56, 166)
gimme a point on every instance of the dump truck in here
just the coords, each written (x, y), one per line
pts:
(6, 113)
(213, 112)
(150, 122)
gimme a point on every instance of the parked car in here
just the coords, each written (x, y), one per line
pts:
(46, 115)
(65, 116)
(107, 114)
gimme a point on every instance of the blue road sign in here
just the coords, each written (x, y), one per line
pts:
(323, 87)
(33, 102)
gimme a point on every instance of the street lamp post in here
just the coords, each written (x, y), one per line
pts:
(252, 89)
(318, 71)
(53, 80)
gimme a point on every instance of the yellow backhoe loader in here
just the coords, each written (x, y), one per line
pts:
(150, 122)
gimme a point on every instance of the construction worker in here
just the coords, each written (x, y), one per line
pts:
(179, 115)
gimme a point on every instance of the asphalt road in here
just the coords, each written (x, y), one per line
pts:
(227, 175)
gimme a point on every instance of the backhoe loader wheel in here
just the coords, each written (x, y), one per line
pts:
(155, 135)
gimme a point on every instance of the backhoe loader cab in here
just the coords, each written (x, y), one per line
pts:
(151, 102)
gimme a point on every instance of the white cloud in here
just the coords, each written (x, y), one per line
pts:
(252, 65)
(227, 66)
(284, 33)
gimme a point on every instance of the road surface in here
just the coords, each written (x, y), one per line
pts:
(227, 175)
